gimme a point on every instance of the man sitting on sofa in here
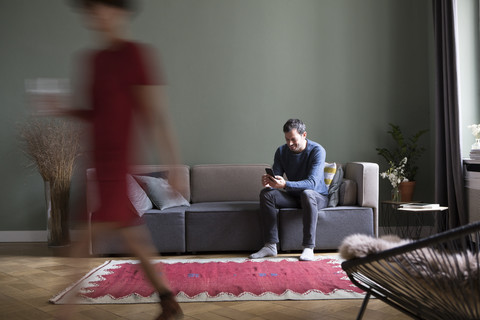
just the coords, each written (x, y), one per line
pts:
(303, 162)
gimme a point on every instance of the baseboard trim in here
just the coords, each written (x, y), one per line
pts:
(32, 236)
(23, 236)
(41, 235)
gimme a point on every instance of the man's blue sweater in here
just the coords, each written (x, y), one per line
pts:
(304, 170)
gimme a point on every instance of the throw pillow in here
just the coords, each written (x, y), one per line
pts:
(329, 172)
(156, 174)
(137, 196)
(333, 191)
(161, 193)
(348, 193)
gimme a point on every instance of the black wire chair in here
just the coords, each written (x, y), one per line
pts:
(433, 278)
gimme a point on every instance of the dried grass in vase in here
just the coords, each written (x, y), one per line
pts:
(53, 144)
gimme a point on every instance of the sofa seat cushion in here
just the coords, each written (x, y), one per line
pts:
(226, 206)
(167, 228)
(333, 225)
(167, 231)
(179, 210)
(223, 226)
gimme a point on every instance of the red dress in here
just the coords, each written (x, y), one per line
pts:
(115, 73)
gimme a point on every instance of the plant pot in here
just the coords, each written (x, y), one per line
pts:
(406, 190)
(56, 197)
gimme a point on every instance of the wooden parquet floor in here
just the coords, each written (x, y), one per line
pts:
(30, 274)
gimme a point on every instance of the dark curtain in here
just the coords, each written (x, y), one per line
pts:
(449, 190)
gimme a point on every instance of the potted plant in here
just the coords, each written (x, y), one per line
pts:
(405, 154)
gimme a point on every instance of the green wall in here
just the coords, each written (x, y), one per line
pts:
(237, 70)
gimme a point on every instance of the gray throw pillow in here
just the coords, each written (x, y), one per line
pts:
(334, 189)
(162, 195)
(137, 196)
(348, 193)
(155, 174)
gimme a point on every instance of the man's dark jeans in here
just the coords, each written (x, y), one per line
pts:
(271, 200)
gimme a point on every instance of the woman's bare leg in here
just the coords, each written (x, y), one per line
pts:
(138, 240)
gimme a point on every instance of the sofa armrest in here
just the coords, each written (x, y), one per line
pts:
(366, 175)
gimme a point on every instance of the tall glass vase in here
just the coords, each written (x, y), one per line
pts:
(57, 197)
(476, 145)
(396, 195)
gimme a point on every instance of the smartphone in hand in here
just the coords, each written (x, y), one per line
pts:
(270, 172)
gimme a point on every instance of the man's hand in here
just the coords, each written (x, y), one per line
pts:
(278, 182)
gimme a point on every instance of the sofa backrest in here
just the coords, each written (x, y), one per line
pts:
(226, 182)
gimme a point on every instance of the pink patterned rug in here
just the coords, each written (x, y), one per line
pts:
(194, 280)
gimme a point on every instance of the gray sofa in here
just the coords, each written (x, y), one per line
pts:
(224, 211)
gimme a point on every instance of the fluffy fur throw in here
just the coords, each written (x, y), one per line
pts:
(423, 263)
(361, 245)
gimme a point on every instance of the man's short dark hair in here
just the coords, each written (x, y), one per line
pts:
(128, 5)
(294, 124)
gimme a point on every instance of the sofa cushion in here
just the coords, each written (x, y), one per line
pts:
(177, 210)
(166, 231)
(227, 206)
(223, 226)
(348, 193)
(334, 189)
(333, 225)
(329, 172)
(182, 174)
(161, 193)
(211, 183)
(156, 174)
(167, 228)
(139, 199)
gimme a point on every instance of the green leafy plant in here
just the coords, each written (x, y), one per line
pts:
(406, 147)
